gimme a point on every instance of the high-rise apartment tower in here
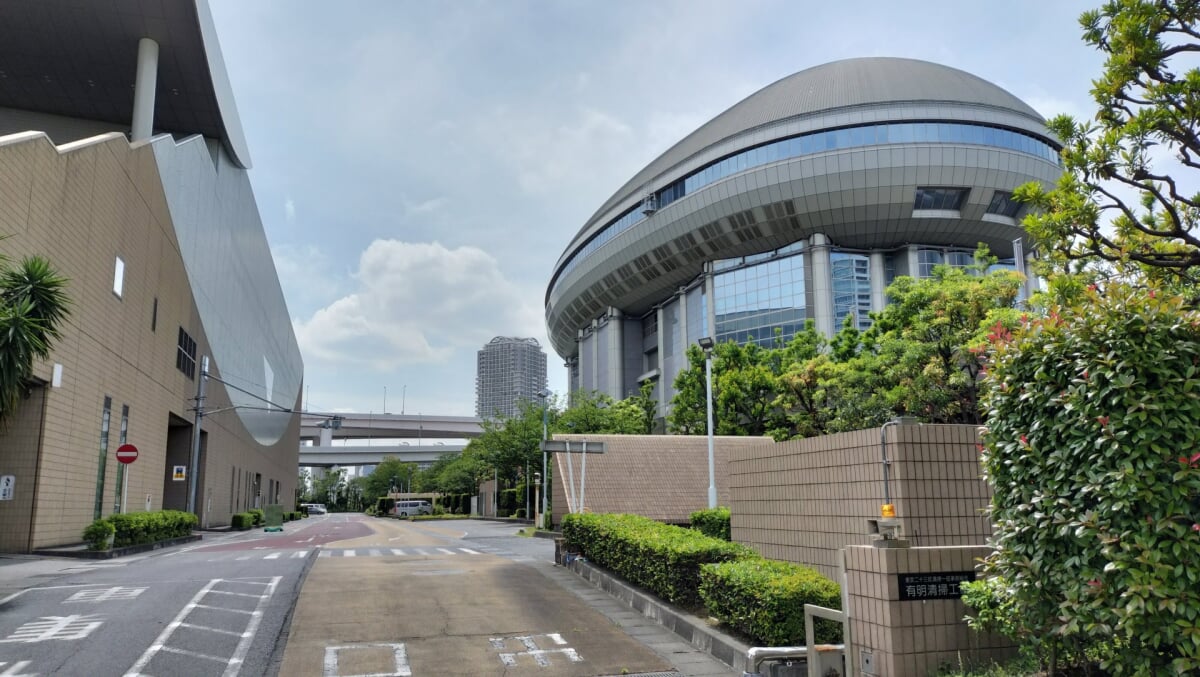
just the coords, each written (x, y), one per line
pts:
(508, 370)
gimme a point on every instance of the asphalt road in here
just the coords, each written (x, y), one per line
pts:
(212, 609)
(449, 598)
(339, 595)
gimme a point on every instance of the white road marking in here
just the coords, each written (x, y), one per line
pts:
(447, 551)
(326, 553)
(48, 587)
(399, 657)
(469, 551)
(216, 630)
(105, 594)
(235, 594)
(539, 655)
(55, 627)
(299, 554)
(233, 664)
(374, 553)
(348, 553)
(398, 552)
(244, 557)
(422, 552)
(274, 555)
(15, 670)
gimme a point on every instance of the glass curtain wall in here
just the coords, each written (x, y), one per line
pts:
(753, 302)
(851, 289)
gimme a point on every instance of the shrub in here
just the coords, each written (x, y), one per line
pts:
(258, 516)
(1091, 451)
(135, 528)
(242, 521)
(96, 534)
(662, 558)
(520, 513)
(712, 522)
(765, 599)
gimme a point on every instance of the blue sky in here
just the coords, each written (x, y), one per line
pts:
(420, 166)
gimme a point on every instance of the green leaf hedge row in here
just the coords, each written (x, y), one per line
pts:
(662, 558)
(712, 522)
(765, 599)
(135, 528)
(761, 598)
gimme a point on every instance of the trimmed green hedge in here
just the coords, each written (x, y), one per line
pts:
(712, 522)
(242, 521)
(259, 520)
(135, 528)
(662, 558)
(765, 599)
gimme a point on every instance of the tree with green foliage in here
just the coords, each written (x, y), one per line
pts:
(921, 357)
(1122, 197)
(1093, 427)
(932, 334)
(33, 306)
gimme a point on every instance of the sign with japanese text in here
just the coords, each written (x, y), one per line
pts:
(943, 585)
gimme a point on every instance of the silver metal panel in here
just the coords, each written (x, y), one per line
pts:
(233, 280)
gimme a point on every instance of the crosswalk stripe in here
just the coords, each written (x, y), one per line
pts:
(349, 553)
(448, 552)
(398, 552)
(469, 551)
(299, 553)
(422, 553)
(274, 555)
(326, 553)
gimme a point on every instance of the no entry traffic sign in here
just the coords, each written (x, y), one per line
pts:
(127, 453)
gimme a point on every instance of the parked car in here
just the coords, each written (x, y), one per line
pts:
(314, 508)
(406, 508)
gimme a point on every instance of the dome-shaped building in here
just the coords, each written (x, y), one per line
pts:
(803, 201)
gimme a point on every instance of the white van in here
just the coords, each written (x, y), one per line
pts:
(406, 508)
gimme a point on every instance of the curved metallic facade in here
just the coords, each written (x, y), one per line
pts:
(859, 170)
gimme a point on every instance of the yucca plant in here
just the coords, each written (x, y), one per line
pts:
(33, 305)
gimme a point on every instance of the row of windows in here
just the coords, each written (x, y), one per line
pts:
(185, 356)
(819, 142)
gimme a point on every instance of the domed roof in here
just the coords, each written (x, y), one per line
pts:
(839, 84)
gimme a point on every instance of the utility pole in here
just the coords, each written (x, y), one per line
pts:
(194, 465)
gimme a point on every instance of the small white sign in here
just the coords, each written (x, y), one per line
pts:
(179, 473)
(7, 482)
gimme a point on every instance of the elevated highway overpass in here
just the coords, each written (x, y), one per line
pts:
(327, 456)
(321, 428)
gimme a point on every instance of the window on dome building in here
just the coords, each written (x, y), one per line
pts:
(753, 302)
(1002, 204)
(851, 289)
(941, 198)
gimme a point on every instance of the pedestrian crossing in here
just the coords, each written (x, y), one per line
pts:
(423, 551)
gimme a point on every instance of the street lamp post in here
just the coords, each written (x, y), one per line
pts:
(706, 344)
(545, 476)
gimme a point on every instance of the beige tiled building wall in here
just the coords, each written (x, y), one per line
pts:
(892, 637)
(803, 500)
(663, 477)
(81, 206)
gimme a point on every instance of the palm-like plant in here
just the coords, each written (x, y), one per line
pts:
(33, 304)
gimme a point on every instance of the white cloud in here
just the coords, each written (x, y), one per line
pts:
(417, 303)
(428, 206)
(289, 210)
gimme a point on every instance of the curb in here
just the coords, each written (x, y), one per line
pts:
(689, 628)
(118, 552)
